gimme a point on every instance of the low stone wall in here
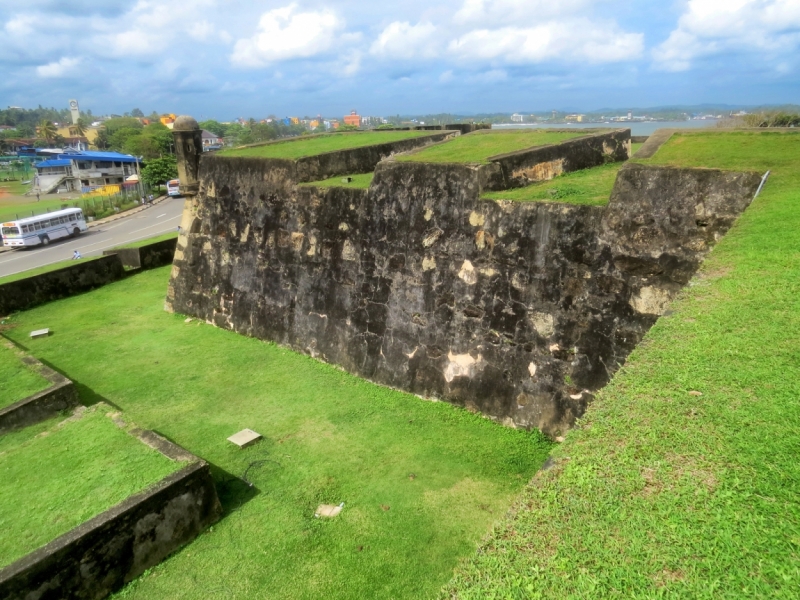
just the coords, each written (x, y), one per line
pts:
(149, 256)
(69, 281)
(59, 397)
(518, 310)
(101, 555)
(639, 139)
(521, 168)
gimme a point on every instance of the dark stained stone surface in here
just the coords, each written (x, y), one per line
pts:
(518, 310)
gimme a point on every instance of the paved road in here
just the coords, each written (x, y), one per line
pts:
(152, 221)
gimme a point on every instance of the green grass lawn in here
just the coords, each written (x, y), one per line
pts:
(301, 147)
(15, 188)
(10, 207)
(45, 269)
(663, 492)
(422, 481)
(477, 147)
(68, 474)
(17, 380)
(361, 180)
(588, 186)
(152, 240)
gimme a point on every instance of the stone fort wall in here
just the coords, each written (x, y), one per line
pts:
(518, 310)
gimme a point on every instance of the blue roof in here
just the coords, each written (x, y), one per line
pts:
(97, 155)
(54, 163)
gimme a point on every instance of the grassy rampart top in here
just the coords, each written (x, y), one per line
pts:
(478, 146)
(17, 380)
(359, 180)
(682, 479)
(68, 474)
(301, 147)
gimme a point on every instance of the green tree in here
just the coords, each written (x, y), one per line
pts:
(101, 141)
(81, 126)
(214, 127)
(112, 125)
(118, 138)
(137, 113)
(142, 145)
(160, 170)
(47, 130)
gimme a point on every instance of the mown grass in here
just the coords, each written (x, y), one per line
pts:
(17, 380)
(361, 180)
(45, 269)
(301, 147)
(152, 240)
(66, 475)
(11, 207)
(422, 481)
(682, 480)
(588, 187)
(477, 147)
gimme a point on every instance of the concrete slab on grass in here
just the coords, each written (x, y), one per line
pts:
(244, 438)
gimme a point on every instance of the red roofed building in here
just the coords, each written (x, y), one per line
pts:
(352, 119)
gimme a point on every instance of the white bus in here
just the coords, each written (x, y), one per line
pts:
(43, 229)
(174, 187)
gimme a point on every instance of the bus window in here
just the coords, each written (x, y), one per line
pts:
(24, 229)
(38, 226)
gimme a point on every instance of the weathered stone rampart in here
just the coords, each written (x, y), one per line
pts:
(348, 161)
(517, 169)
(518, 310)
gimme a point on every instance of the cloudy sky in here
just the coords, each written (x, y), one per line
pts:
(229, 58)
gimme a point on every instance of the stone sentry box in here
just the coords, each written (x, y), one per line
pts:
(99, 556)
(517, 310)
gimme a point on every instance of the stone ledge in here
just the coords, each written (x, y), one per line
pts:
(59, 397)
(104, 553)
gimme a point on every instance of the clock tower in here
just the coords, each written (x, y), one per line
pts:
(74, 111)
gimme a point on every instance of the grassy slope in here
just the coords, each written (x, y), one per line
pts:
(329, 437)
(479, 146)
(52, 483)
(361, 180)
(589, 186)
(300, 147)
(662, 493)
(45, 269)
(17, 381)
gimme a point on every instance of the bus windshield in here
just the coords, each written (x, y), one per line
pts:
(10, 231)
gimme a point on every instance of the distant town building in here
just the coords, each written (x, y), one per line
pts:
(167, 119)
(211, 141)
(577, 118)
(7, 128)
(352, 119)
(517, 118)
(83, 171)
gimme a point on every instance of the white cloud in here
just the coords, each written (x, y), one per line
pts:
(709, 27)
(493, 12)
(284, 34)
(60, 68)
(403, 40)
(573, 40)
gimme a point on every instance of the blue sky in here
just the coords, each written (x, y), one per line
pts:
(228, 58)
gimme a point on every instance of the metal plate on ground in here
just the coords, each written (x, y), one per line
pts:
(244, 438)
(40, 333)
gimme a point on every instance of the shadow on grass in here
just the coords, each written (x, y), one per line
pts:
(233, 491)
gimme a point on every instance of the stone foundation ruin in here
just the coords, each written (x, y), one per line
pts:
(518, 310)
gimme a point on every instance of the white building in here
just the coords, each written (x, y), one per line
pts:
(83, 171)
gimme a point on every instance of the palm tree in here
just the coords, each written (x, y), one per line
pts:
(81, 126)
(46, 130)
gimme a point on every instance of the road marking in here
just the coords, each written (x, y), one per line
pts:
(159, 216)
